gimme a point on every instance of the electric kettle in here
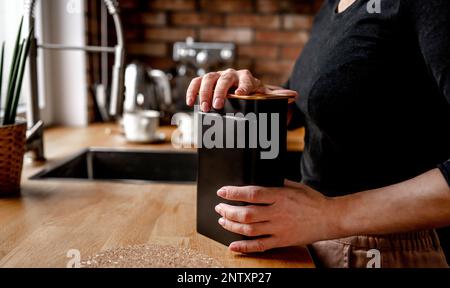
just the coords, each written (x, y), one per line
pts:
(146, 89)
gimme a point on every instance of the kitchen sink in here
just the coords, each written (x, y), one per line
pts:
(125, 165)
(105, 164)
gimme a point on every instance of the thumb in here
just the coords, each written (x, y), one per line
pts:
(281, 92)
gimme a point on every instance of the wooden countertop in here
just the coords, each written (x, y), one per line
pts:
(51, 217)
(64, 140)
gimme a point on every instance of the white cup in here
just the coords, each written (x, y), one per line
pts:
(141, 126)
(185, 130)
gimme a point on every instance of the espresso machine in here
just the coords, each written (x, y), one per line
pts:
(196, 59)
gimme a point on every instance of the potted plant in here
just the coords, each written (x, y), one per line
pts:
(12, 130)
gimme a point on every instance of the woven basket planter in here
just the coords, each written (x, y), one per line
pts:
(12, 149)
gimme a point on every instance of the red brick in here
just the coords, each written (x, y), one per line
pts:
(197, 19)
(131, 34)
(243, 63)
(254, 21)
(268, 6)
(172, 4)
(291, 53)
(147, 49)
(301, 7)
(162, 63)
(153, 18)
(258, 51)
(282, 37)
(280, 67)
(94, 28)
(286, 6)
(129, 4)
(169, 34)
(236, 35)
(317, 5)
(297, 22)
(227, 5)
(272, 79)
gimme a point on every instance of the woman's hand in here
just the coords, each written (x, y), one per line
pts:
(294, 215)
(213, 88)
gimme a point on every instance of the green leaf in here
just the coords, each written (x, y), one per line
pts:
(2, 59)
(21, 72)
(13, 73)
(11, 86)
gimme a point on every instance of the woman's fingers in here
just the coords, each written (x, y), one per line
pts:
(206, 90)
(250, 230)
(227, 80)
(243, 214)
(213, 88)
(285, 92)
(247, 83)
(249, 194)
(192, 91)
(282, 92)
(256, 245)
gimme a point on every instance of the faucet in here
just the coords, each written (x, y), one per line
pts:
(35, 133)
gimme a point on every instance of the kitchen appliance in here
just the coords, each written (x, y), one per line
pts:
(196, 59)
(147, 89)
(240, 165)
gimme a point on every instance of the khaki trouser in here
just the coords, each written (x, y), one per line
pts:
(409, 250)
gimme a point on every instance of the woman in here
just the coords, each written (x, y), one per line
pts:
(373, 93)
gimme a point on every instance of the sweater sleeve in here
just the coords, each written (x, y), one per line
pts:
(432, 26)
(445, 169)
(431, 23)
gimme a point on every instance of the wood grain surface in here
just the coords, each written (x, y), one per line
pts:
(51, 217)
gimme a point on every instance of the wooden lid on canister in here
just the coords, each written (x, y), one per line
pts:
(260, 96)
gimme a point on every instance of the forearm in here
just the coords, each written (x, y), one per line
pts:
(419, 203)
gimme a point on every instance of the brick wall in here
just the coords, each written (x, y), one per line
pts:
(269, 34)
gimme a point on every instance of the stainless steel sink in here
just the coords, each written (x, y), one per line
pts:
(125, 165)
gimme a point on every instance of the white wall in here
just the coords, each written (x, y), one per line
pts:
(64, 72)
(62, 75)
(10, 13)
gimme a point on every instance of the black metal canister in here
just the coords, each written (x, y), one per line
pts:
(234, 164)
